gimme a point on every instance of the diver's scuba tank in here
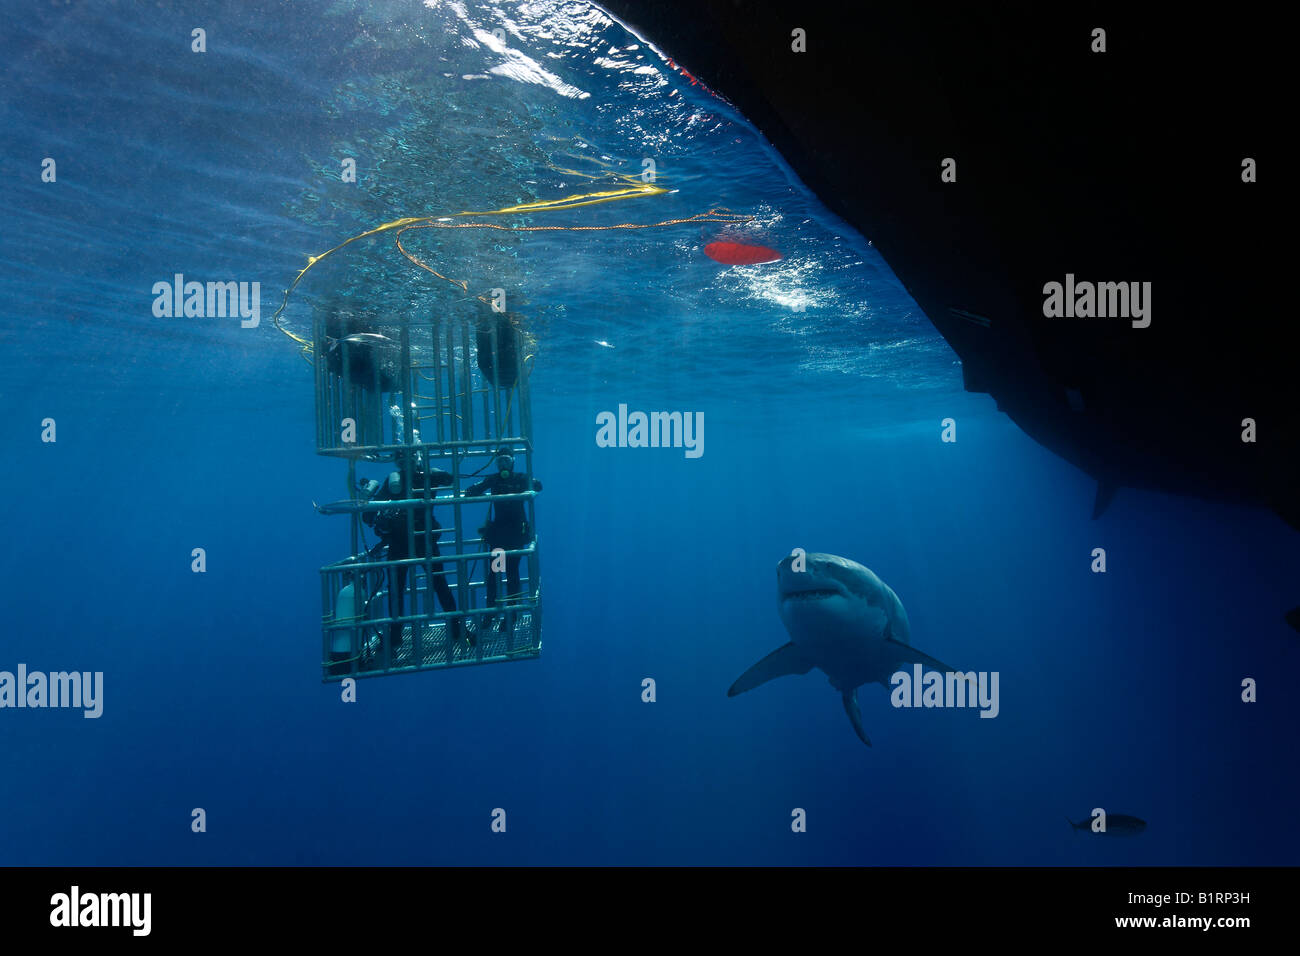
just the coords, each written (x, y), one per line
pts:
(500, 367)
(345, 609)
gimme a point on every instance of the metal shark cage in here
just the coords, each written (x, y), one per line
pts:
(445, 395)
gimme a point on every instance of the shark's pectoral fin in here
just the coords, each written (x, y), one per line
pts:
(909, 654)
(1293, 618)
(782, 661)
(855, 714)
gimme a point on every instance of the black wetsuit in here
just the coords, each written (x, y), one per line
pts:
(391, 526)
(507, 528)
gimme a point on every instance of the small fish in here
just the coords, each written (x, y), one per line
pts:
(369, 338)
(1117, 824)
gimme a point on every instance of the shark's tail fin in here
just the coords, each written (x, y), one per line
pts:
(1105, 494)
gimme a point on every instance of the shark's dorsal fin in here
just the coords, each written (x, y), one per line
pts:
(1105, 494)
(782, 661)
(855, 714)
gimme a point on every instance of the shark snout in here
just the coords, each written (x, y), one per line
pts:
(809, 584)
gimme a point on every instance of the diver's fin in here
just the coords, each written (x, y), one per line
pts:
(1105, 494)
(782, 661)
(910, 654)
(1293, 618)
(855, 714)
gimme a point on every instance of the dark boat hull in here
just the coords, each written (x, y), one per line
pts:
(1120, 166)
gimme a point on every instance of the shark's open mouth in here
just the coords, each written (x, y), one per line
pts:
(811, 595)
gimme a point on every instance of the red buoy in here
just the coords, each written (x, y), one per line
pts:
(739, 254)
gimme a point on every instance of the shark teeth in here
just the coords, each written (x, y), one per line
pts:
(815, 595)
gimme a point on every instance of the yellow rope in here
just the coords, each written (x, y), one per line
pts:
(631, 188)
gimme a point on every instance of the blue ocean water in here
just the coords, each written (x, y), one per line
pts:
(822, 388)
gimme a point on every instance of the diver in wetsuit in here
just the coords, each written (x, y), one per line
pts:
(507, 527)
(391, 525)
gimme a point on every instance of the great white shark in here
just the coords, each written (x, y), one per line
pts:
(842, 620)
